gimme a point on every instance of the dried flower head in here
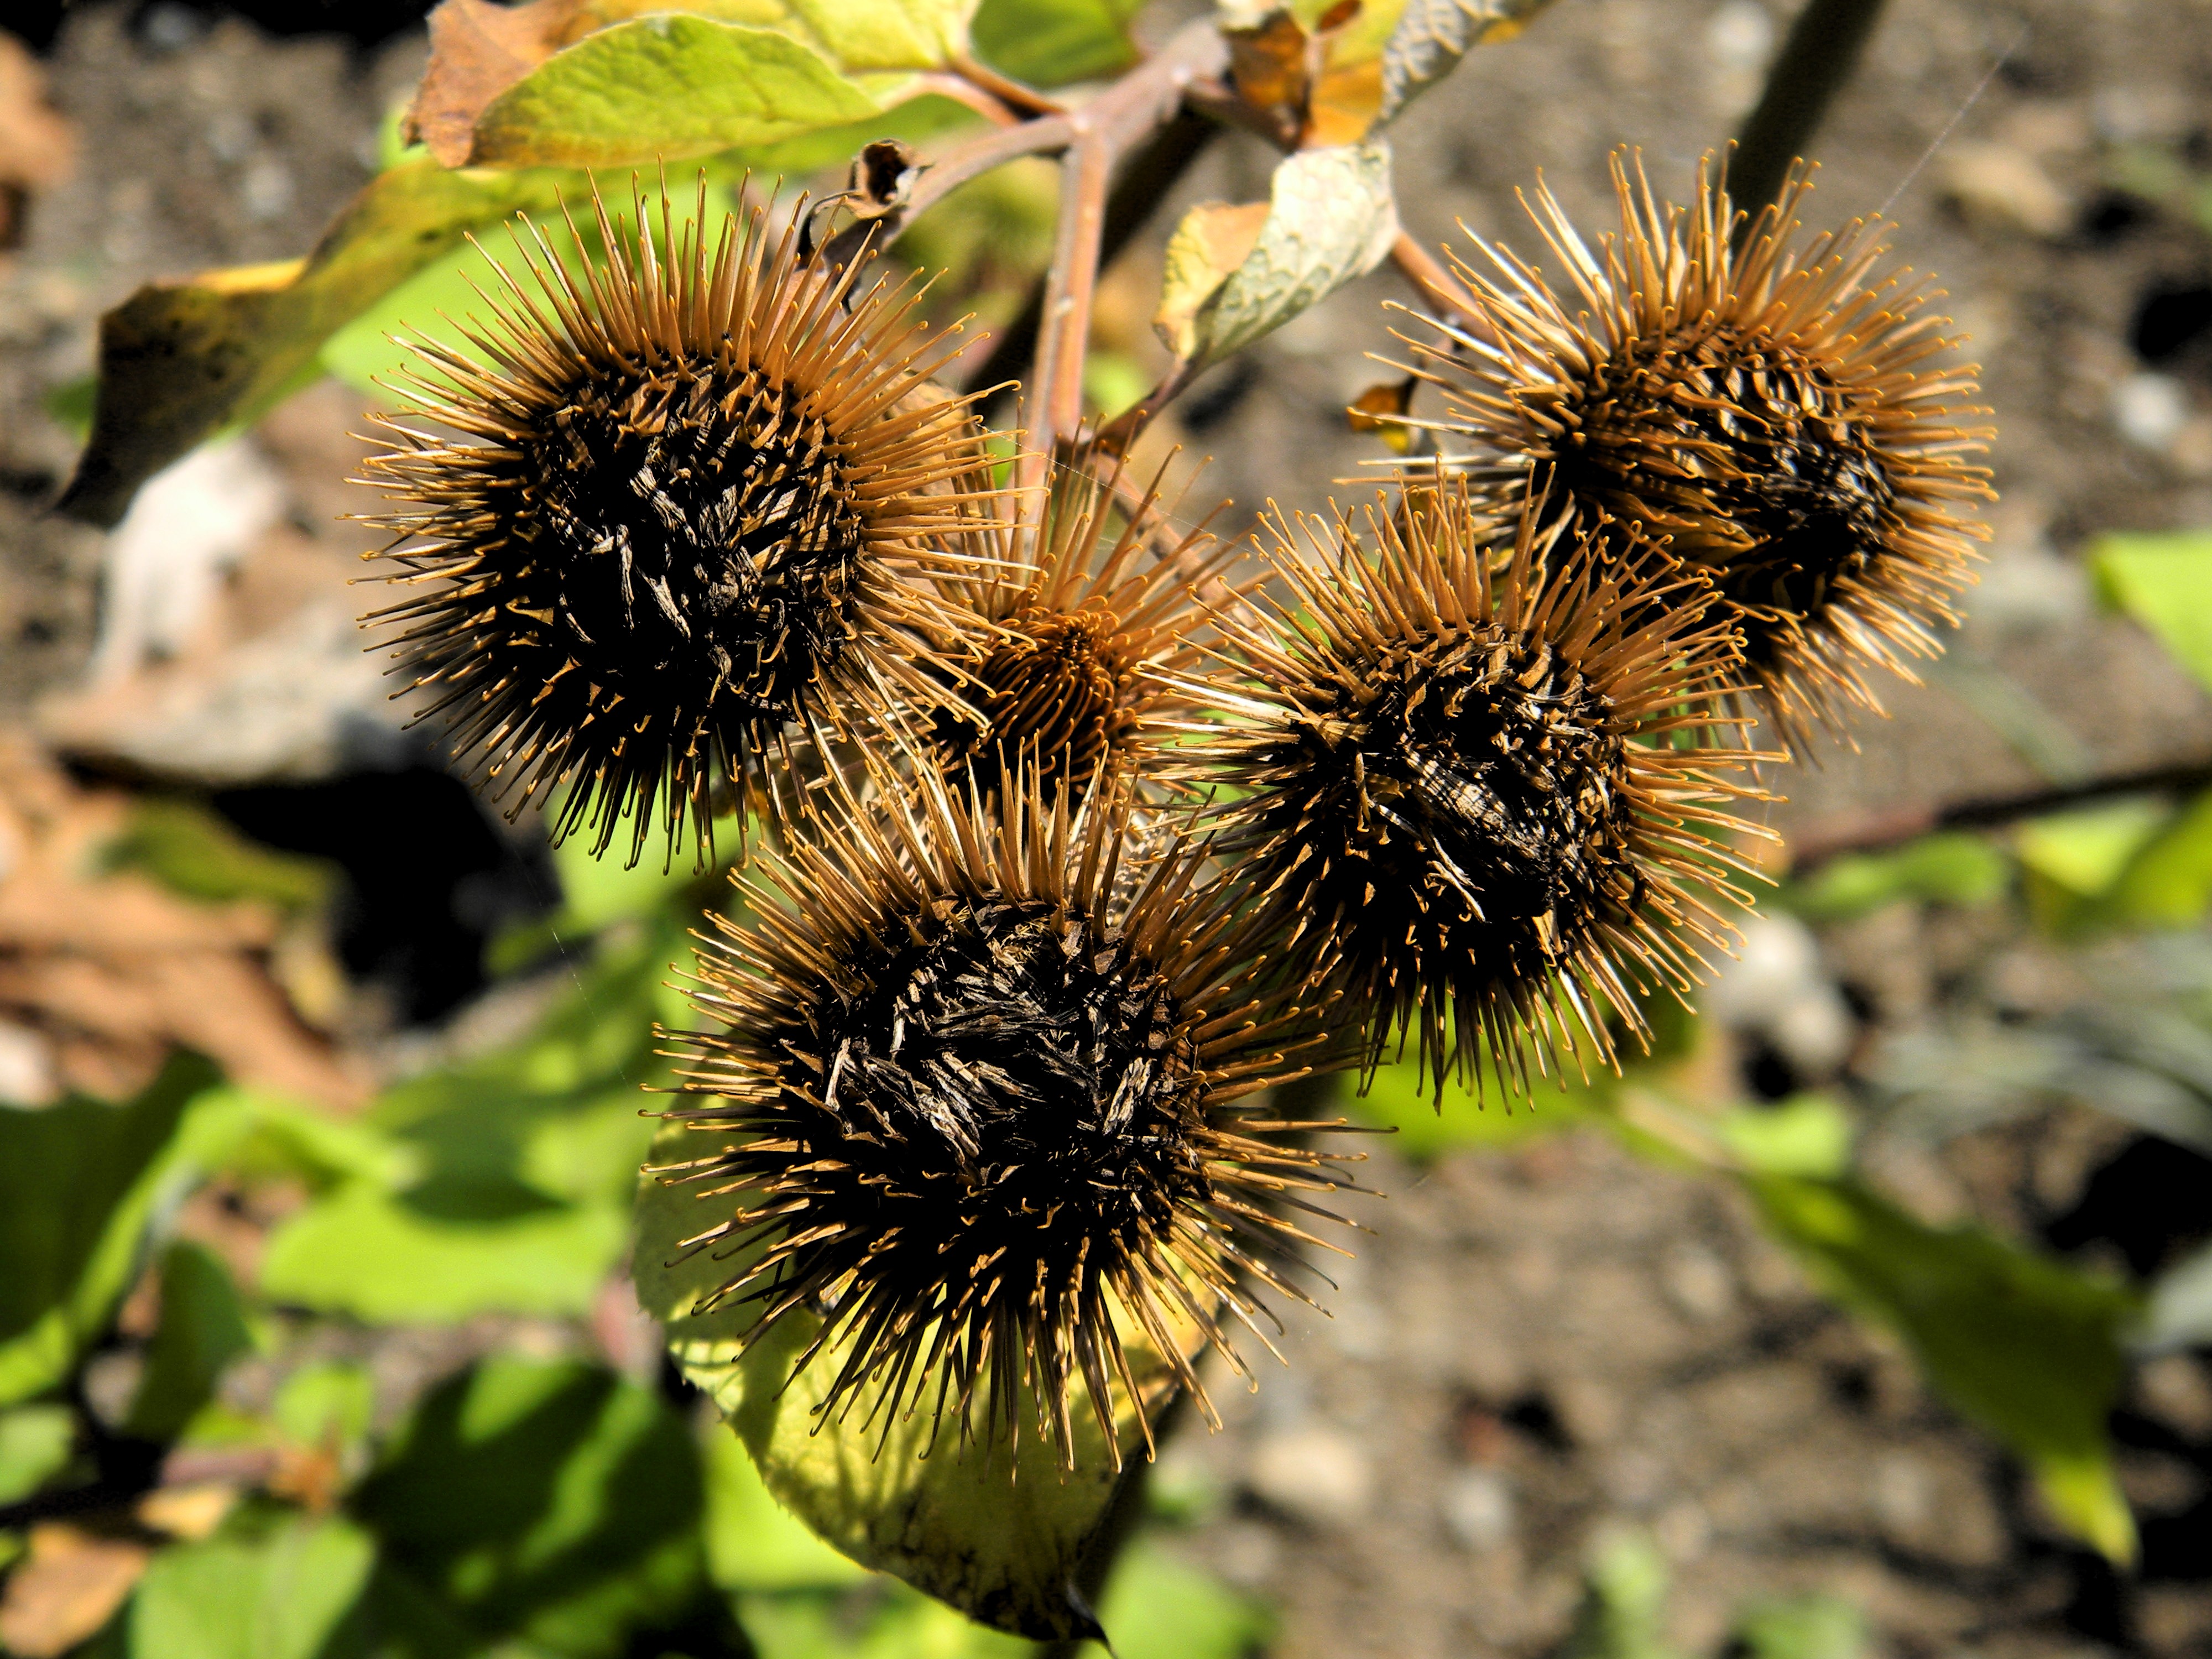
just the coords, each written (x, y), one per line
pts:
(1479, 778)
(985, 1076)
(1786, 420)
(1078, 618)
(690, 492)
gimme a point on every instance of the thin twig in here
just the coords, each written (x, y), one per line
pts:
(1012, 93)
(1435, 283)
(1814, 64)
(962, 90)
(1877, 832)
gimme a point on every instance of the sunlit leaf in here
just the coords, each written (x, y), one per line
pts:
(666, 89)
(180, 362)
(1805, 1135)
(2168, 881)
(754, 1543)
(283, 1594)
(1801, 1627)
(79, 1183)
(1329, 219)
(1051, 43)
(2164, 582)
(556, 1504)
(35, 1442)
(1952, 868)
(1432, 36)
(1157, 1607)
(2027, 1348)
(204, 1327)
(1624, 1607)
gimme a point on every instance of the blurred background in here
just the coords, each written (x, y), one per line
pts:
(1575, 1396)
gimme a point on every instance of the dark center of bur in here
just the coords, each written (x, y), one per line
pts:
(1019, 1068)
(1497, 794)
(1049, 691)
(701, 544)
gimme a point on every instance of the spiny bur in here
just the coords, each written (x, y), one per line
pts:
(984, 1074)
(669, 517)
(1476, 779)
(1078, 618)
(1782, 415)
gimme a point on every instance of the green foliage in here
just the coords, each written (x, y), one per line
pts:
(1053, 43)
(79, 1183)
(2129, 863)
(556, 1503)
(278, 1587)
(204, 1327)
(2164, 582)
(2029, 1350)
(192, 852)
(667, 87)
(180, 362)
(1426, 1126)
(1950, 867)
(1624, 1607)
(35, 1443)
(512, 1184)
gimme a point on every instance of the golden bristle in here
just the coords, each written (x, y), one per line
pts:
(681, 522)
(1477, 779)
(1075, 627)
(1783, 418)
(990, 1072)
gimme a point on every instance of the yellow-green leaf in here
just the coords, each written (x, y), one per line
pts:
(180, 362)
(1329, 219)
(2164, 582)
(2027, 1348)
(669, 88)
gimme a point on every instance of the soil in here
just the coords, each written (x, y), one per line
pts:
(1538, 1348)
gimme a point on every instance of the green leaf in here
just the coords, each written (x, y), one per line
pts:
(1624, 1607)
(512, 1187)
(1801, 1627)
(1427, 1127)
(194, 853)
(1053, 43)
(2027, 1348)
(2164, 582)
(326, 1402)
(1330, 219)
(1433, 35)
(2179, 1315)
(754, 1543)
(554, 1503)
(181, 362)
(666, 89)
(79, 1183)
(203, 1329)
(2085, 851)
(35, 1443)
(1950, 867)
(1804, 1135)
(1157, 1607)
(282, 1595)
(2168, 882)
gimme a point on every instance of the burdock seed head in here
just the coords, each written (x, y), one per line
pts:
(1786, 419)
(986, 1091)
(1076, 622)
(1478, 778)
(689, 488)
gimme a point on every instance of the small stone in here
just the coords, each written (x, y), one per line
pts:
(1478, 1509)
(2001, 186)
(1697, 1282)
(2150, 411)
(1312, 1474)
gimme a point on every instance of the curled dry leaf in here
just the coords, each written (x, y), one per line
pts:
(1433, 35)
(1236, 274)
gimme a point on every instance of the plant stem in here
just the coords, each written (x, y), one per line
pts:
(1879, 831)
(1818, 57)
(1434, 282)
(1149, 174)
